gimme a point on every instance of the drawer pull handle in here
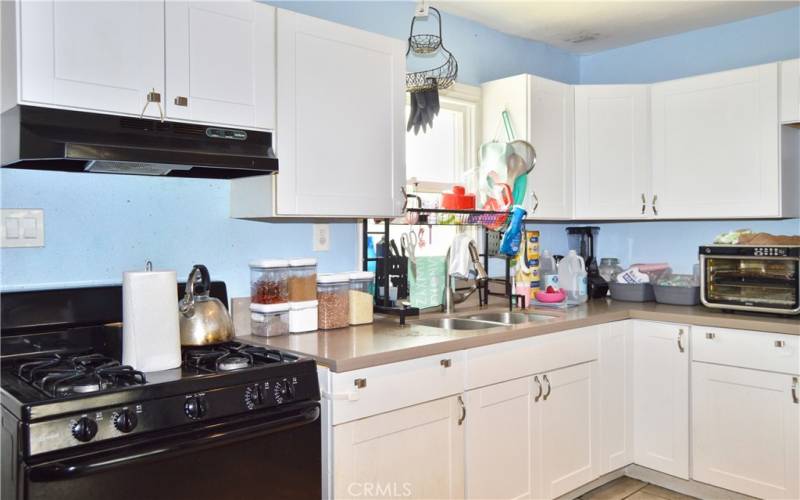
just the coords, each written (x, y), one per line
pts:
(181, 101)
(360, 383)
(795, 397)
(644, 204)
(549, 389)
(536, 379)
(780, 343)
(463, 411)
(680, 340)
(710, 336)
(445, 363)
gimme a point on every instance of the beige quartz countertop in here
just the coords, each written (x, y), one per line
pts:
(385, 341)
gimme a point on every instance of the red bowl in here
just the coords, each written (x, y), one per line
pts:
(550, 298)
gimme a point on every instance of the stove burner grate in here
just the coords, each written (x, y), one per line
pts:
(58, 375)
(231, 356)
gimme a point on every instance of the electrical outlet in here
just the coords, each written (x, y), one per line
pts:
(322, 237)
(22, 228)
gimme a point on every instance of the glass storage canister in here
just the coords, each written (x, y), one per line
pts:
(302, 280)
(332, 294)
(269, 320)
(303, 316)
(362, 287)
(269, 281)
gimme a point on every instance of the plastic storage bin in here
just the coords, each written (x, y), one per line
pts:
(361, 297)
(677, 295)
(632, 292)
(333, 297)
(269, 320)
(269, 282)
(302, 280)
(303, 316)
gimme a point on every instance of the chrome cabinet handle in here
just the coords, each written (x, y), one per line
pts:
(153, 97)
(780, 343)
(445, 363)
(535, 202)
(360, 383)
(653, 204)
(710, 336)
(536, 379)
(546, 394)
(463, 411)
(181, 101)
(680, 340)
(644, 204)
(795, 397)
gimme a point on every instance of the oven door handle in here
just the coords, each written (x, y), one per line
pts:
(210, 437)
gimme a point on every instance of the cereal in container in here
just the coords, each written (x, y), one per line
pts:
(302, 280)
(333, 301)
(362, 285)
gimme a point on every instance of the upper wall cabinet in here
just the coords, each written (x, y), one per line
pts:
(102, 56)
(221, 62)
(790, 91)
(716, 145)
(211, 62)
(612, 155)
(541, 111)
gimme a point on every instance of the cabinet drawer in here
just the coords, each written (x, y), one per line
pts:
(378, 389)
(509, 360)
(747, 349)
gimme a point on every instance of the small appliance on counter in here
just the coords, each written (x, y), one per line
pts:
(204, 320)
(751, 278)
(582, 240)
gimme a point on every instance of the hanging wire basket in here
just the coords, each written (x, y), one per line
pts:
(441, 77)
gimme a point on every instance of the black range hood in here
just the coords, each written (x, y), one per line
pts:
(41, 138)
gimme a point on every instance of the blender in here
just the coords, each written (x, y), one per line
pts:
(582, 240)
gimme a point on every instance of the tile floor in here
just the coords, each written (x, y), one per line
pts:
(632, 489)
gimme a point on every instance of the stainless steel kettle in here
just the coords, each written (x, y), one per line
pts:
(204, 319)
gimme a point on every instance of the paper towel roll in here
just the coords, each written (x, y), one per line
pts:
(151, 338)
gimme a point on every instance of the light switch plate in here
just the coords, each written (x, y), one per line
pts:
(322, 237)
(21, 227)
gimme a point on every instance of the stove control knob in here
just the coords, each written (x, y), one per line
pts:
(125, 421)
(195, 407)
(84, 429)
(254, 396)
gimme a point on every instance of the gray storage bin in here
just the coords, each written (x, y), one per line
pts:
(632, 292)
(677, 295)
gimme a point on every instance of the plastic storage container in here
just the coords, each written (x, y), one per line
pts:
(302, 280)
(333, 296)
(361, 297)
(303, 316)
(269, 320)
(632, 292)
(572, 277)
(269, 282)
(548, 271)
(609, 268)
(677, 295)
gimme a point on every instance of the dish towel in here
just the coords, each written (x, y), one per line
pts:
(460, 261)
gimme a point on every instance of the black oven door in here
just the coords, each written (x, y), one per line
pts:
(273, 454)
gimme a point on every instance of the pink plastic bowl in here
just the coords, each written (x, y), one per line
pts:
(557, 296)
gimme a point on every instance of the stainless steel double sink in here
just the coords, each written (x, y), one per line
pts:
(483, 320)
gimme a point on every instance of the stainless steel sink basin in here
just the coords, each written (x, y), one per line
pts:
(457, 324)
(510, 318)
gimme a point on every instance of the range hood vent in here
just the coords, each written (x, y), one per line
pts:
(41, 138)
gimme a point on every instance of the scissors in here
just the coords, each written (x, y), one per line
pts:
(409, 243)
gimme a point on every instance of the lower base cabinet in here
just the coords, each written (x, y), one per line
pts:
(746, 431)
(414, 452)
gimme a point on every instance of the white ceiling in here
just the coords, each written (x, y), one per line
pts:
(593, 25)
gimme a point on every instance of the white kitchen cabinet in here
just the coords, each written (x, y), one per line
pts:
(661, 397)
(616, 387)
(716, 145)
(94, 56)
(499, 440)
(220, 62)
(341, 130)
(612, 152)
(790, 91)
(414, 452)
(542, 113)
(746, 430)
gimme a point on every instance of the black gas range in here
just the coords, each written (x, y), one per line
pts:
(76, 423)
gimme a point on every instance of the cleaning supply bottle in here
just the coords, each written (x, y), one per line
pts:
(548, 271)
(572, 277)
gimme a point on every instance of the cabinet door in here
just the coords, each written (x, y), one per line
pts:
(341, 130)
(98, 56)
(221, 62)
(612, 155)
(551, 132)
(616, 386)
(498, 440)
(415, 452)
(661, 397)
(746, 431)
(716, 145)
(566, 434)
(790, 91)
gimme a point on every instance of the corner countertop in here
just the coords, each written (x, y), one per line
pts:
(385, 341)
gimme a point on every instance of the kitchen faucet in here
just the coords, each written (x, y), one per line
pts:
(453, 297)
